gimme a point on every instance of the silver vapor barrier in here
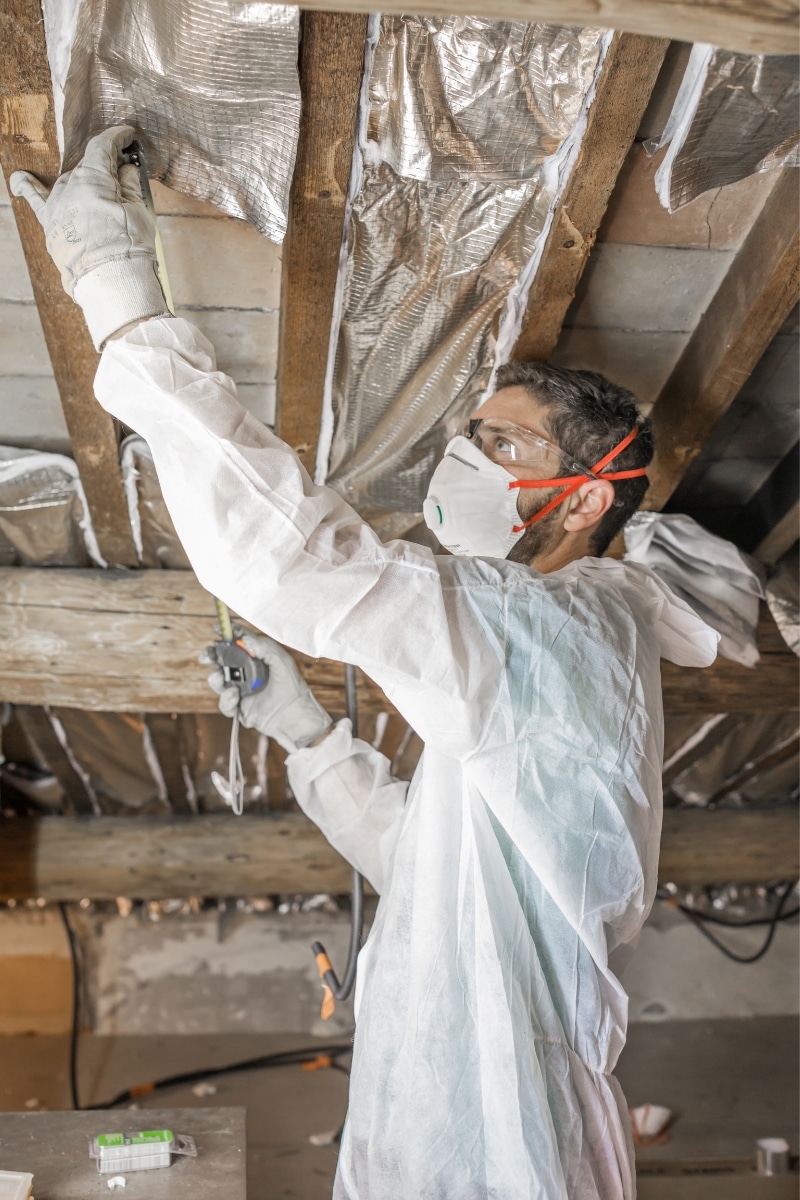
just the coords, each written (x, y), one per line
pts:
(116, 765)
(468, 128)
(730, 773)
(210, 85)
(734, 114)
(783, 598)
(44, 519)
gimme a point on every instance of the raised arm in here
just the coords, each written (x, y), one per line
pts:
(292, 558)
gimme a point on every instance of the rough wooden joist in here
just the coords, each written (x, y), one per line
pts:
(767, 525)
(28, 143)
(781, 537)
(128, 642)
(750, 26)
(331, 66)
(626, 81)
(119, 641)
(754, 299)
(67, 858)
(726, 687)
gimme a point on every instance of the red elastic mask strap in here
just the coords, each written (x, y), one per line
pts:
(571, 483)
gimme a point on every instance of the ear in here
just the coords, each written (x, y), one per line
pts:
(588, 505)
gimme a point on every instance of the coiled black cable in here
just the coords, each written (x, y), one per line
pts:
(700, 920)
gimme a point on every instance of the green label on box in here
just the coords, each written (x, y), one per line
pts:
(149, 1137)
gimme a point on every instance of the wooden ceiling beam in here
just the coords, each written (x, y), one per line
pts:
(331, 67)
(69, 858)
(128, 642)
(750, 26)
(754, 299)
(626, 81)
(28, 143)
(781, 537)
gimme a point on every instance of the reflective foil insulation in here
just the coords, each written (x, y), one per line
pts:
(783, 598)
(734, 114)
(465, 138)
(44, 519)
(730, 773)
(211, 87)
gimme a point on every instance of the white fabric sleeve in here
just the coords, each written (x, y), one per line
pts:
(291, 557)
(345, 786)
(117, 293)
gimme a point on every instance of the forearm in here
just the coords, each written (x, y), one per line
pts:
(346, 788)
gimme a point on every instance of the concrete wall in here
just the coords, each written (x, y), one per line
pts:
(651, 275)
(225, 278)
(213, 972)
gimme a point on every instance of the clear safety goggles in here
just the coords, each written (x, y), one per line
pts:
(508, 444)
(513, 446)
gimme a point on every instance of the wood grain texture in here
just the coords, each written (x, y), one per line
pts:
(781, 537)
(331, 67)
(119, 641)
(626, 81)
(67, 858)
(727, 687)
(702, 846)
(115, 641)
(28, 143)
(760, 27)
(754, 299)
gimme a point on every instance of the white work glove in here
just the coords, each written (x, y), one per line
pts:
(100, 236)
(285, 708)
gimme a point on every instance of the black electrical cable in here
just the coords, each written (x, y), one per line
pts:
(713, 919)
(76, 996)
(773, 922)
(284, 1058)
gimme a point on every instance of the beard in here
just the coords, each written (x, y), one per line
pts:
(540, 537)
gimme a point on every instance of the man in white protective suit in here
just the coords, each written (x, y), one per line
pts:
(516, 869)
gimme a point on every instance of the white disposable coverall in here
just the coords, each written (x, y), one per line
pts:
(523, 863)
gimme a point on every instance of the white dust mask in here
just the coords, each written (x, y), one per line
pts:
(469, 506)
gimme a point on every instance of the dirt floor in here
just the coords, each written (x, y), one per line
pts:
(729, 1082)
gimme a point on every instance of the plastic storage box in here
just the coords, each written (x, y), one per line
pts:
(146, 1151)
(15, 1185)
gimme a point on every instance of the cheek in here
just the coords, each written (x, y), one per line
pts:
(531, 500)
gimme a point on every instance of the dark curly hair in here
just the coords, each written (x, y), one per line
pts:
(587, 416)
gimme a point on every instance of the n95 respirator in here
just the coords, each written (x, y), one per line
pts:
(469, 506)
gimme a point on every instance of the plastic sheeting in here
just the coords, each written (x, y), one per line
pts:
(467, 127)
(706, 571)
(154, 534)
(44, 519)
(210, 85)
(734, 114)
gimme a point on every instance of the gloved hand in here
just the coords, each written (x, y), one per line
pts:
(100, 236)
(285, 708)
